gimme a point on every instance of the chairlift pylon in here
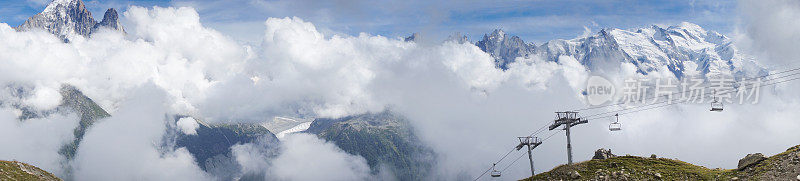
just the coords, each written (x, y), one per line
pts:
(495, 173)
(615, 126)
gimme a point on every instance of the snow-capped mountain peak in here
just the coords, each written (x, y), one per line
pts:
(497, 35)
(57, 5)
(66, 18)
(684, 49)
(505, 49)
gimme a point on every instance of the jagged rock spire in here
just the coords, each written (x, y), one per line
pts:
(111, 21)
(504, 49)
(458, 38)
(413, 38)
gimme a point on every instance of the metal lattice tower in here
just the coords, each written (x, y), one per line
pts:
(531, 142)
(568, 119)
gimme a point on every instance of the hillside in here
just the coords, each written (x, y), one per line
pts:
(211, 145)
(73, 100)
(783, 166)
(14, 170)
(384, 139)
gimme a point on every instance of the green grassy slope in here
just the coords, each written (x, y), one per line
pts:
(631, 168)
(14, 170)
(783, 166)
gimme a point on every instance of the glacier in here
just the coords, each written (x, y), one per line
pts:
(685, 49)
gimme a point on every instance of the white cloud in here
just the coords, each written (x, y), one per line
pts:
(252, 158)
(127, 145)
(770, 29)
(35, 141)
(306, 157)
(44, 98)
(188, 125)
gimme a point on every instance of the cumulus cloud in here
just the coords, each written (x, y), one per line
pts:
(770, 29)
(188, 125)
(306, 157)
(253, 159)
(44, 98)
(35, 141)
(126, 146)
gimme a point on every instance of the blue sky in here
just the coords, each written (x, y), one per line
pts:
(536, 21)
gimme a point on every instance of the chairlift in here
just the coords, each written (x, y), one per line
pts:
(716, 106)
(495, 173)
(615, 126)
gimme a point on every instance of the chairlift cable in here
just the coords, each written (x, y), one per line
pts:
(704, 96)
(523, 154)
(617, 112)
(639, 110)
(653, 97)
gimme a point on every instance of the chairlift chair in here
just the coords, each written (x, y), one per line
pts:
(716, 106)
(615, 126)
(495, 173)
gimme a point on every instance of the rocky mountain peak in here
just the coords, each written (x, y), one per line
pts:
(65, 18)
(110, 20)
(689, 27)
(458, 38)
(60, 5)
(497, 35)
(413, 38)
(503, 48)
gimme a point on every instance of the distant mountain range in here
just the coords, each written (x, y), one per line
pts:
(682, 48)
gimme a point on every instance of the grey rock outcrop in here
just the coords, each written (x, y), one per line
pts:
(603, 154)
(413, 38)
(110, 21)
(750, 159)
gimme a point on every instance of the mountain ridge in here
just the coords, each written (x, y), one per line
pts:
(684, 49)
